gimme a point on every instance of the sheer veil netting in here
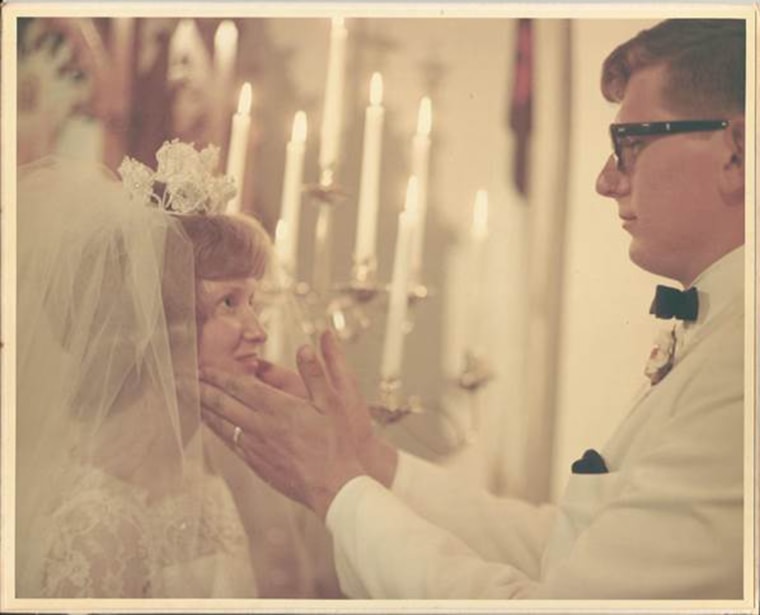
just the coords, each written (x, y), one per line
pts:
(114, 496)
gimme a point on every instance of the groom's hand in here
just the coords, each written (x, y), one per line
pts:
(378, 458)
(282, 378)
(306, 447)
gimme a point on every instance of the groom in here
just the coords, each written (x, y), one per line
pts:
(657, 512)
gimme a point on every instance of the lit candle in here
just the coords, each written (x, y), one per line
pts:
(322, 242)
(182, 45)
(122, 53)
(393, 348)
(366, 229)
(332, 111)
(291, 193)
(275, 329)
(225, 47)
(420, 163)
(238, 150)
(225, 55)
(478, 235)
(479, 228)
(280, 248)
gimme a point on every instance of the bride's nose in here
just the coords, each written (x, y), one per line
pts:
(253, 331)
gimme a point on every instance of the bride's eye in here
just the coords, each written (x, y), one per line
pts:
(229, 301)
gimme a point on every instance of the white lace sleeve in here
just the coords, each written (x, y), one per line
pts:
(98, 546)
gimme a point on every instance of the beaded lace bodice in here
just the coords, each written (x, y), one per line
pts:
(110, 540)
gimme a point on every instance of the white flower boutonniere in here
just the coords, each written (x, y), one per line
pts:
(661, 357)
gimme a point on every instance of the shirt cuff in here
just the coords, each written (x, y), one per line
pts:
(345, 501)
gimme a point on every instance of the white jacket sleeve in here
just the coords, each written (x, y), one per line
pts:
(460, 527)
(670, 528)
(385, 550)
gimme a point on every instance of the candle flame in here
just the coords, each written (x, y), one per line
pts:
(480, 214)
(184, 32)
(425, 117)
(245, 99)
(412, 197)
(339, 320)
(226, 35)
(376, 89)
(298, 133)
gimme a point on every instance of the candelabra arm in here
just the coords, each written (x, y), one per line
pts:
(391, 408)
(476, 372)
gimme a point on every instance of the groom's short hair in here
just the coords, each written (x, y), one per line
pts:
(705, 60)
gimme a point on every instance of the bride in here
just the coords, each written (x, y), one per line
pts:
(121, 492)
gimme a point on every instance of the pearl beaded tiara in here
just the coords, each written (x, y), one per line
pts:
(184, 182)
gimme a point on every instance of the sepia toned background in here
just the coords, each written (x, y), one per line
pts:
(516, 111)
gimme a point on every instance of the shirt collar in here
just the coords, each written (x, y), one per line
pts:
(720, 285)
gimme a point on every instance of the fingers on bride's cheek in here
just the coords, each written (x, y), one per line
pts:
(210, 397)
(214, 423)
(307, 360)
(264, 367)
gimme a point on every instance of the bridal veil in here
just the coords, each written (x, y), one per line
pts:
(111, 494)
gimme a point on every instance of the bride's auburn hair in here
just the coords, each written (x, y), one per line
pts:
(227, 246)
(224, 246)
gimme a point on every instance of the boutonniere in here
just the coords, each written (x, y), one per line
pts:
(661, 357)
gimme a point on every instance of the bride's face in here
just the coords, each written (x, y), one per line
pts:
(231, 335)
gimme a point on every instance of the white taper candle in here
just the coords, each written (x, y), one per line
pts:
(332, 112)
(225, 55)
(290, 211)
(238, 150)
(393, 348)
(478, 236)
(420, 169)
(369, 192)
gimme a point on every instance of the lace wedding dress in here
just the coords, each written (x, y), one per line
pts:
(115, 496)
(110, 541)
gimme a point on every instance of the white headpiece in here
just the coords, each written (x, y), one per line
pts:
(184, 182)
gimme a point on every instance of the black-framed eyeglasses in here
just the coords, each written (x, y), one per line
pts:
(626, 145)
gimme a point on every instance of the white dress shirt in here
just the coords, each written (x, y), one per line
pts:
(665, 521)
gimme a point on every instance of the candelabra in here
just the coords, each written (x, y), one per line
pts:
(476, 372)
(342, 306)
(392, 406)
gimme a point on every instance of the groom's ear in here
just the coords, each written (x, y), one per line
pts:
(733, 171)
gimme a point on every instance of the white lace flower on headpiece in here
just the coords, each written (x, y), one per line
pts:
(183, 183)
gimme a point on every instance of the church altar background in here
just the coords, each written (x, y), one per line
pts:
(564, 312)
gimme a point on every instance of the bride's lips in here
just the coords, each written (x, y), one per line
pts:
(249, 361)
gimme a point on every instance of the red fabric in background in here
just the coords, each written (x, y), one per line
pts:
(521, 108)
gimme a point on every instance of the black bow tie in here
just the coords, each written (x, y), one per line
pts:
(673, 303)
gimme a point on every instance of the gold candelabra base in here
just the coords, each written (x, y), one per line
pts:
(391, 407)
(476, 372)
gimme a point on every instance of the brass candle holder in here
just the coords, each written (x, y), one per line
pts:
(363, 286)
(326, 195)
(475, 373)
(392, 407)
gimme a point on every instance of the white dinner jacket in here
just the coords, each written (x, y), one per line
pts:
(664, 522)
